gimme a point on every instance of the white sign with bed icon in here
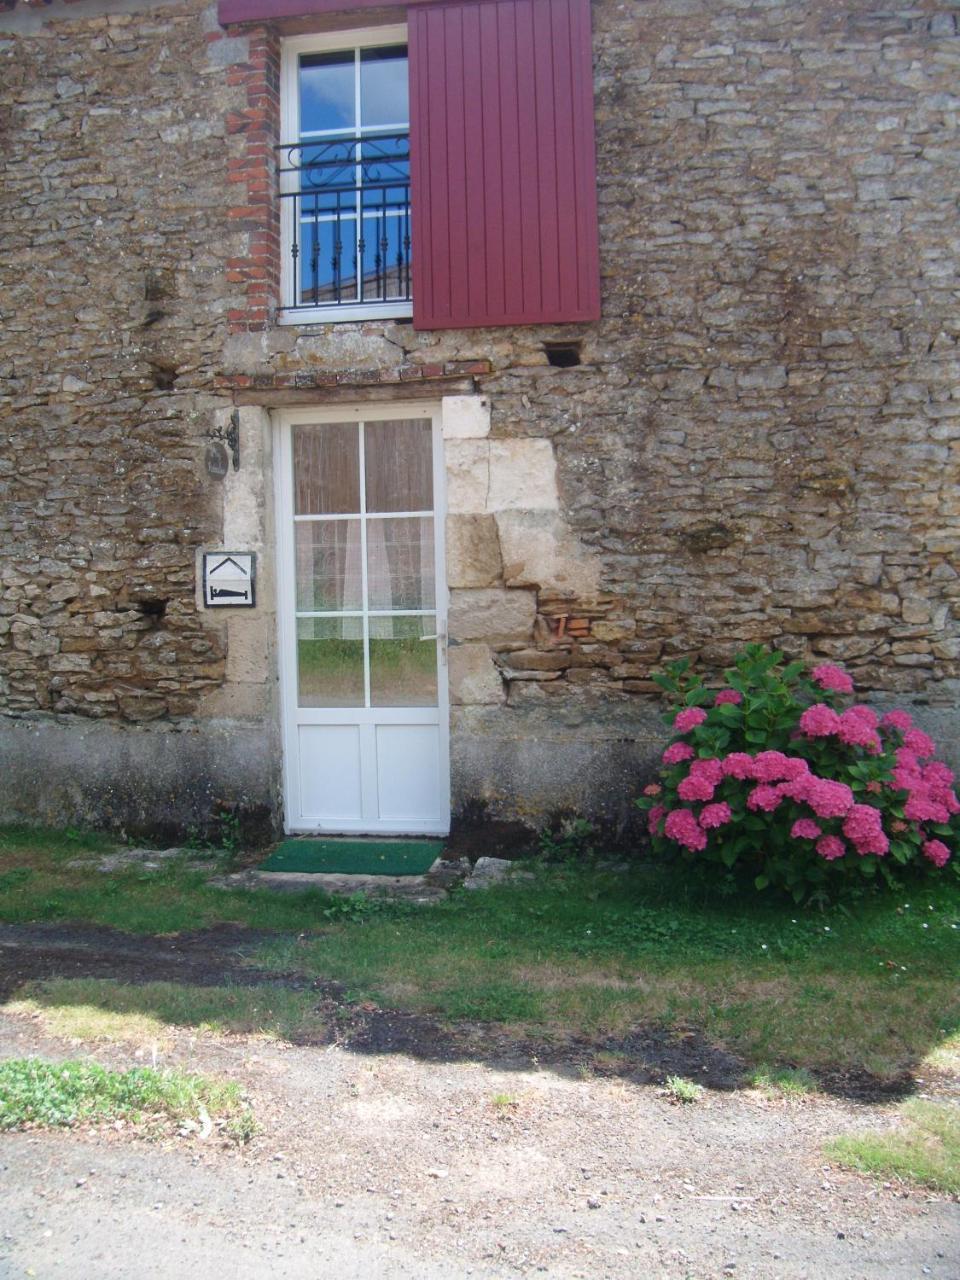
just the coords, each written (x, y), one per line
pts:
(229, 579)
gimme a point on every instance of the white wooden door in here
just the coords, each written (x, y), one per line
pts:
(363, 613)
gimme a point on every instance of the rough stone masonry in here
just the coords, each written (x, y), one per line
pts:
(759, 441)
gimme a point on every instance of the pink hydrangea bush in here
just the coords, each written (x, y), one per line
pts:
(775, 773)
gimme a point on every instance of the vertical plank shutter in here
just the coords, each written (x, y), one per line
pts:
(503, 163)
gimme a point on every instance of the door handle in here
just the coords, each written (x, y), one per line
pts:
(441, 635)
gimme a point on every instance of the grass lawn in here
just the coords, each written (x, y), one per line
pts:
(924, 1147)
(872, 987)
(36, 1094)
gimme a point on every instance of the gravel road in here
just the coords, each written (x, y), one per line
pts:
(382, 1165)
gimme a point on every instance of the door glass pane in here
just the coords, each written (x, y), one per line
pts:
(384, 93)
(400, 569)
(330, 662)
(403, 664)
(327, 91)
(399, 463)
(329, 572)
(326, 469)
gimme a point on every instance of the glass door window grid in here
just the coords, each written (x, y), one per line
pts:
(365, 613)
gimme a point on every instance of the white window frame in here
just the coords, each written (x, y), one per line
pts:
(290, 51)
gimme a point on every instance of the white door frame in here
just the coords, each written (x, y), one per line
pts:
(291, 715)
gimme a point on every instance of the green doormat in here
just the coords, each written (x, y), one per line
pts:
(355, 857)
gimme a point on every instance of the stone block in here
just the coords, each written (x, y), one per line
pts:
(539, 550)
(611, 629)
(523, 476)
(539, 659)
(468, 476)
(487, 872)
(465, 417)
(494, 613)
(474, 677)
(473, 551)
(248, 649)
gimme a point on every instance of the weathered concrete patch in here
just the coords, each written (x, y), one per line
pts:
(410, 888)
(142, 860)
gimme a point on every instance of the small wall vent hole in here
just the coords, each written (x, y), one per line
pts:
(562, 355)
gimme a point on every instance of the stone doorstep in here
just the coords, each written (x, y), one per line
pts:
(410, 888)
(434, 886)
(425, 889)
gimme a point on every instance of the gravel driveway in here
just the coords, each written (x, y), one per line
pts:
(385, 1166)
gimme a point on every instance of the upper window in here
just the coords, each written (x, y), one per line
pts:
(345, 177)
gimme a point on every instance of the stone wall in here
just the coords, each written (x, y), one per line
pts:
(759, 441)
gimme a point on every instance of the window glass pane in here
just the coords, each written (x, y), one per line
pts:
(326, 469)
(327, 91)
(384, 93)
(400, 570)
(330, 662)
(403, 665)
(399, 464)
(329, 574)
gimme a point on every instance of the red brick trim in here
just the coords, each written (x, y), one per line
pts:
(254, 207)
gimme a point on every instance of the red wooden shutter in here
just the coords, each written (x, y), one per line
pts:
(503, 163)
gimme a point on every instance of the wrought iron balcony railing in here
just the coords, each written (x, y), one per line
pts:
(346, 203)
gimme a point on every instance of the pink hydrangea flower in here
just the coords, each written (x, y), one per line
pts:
(738, 765)
(676, 752)
(919, 743)
(907, 772)
(770, 766)
(715, 815)
(863, 826)
(828, 799)
(830, 847)
(900, 720)
(794, 768)
(937, 852)
(682, 826)
(938, 774)
(732, 697)
(857, 731)
(833, 678)
(695, 787)
(774, 766)
(708, 768)
(805, 829)
(764, 798)
(860, 711)
(922, 807)
(797, 788)
(654, 818)
(688, 719)
(819, 721)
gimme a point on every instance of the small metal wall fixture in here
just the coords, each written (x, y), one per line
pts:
(230, 437)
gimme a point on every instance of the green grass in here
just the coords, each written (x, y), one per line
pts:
(683, 1090)
(924, 1148)
(792, 1082)
(99, 1009)
(585, 952)
(36, 883)
(37, 1094)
